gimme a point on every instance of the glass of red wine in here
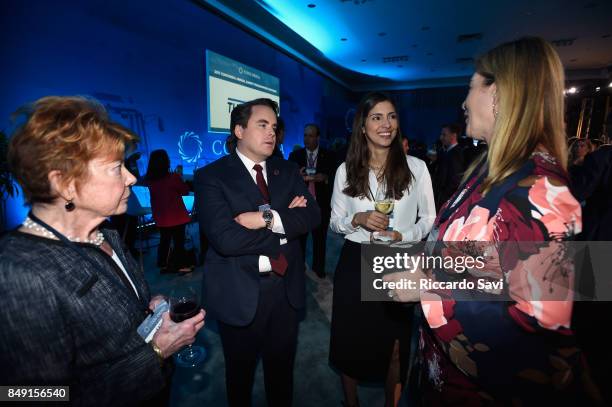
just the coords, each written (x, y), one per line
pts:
(184, 304)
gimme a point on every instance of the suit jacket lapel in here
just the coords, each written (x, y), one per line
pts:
(303, 157)
(139, 283)
(320, 158)
(274, 181)
(243, 181)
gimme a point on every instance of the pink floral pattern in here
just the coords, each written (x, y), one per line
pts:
(471, 341)
(478, 226)
(555, 207)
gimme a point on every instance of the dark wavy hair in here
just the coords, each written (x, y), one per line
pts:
(396, 173)
(240, 116)
(159, 165)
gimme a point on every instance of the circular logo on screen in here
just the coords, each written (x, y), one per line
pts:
(190, 147)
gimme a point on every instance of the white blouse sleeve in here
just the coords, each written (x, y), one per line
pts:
(341, 208)
(426, 207)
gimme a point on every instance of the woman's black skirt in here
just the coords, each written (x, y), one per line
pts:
(363, 333)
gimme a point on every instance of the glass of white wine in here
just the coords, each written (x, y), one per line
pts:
(383, 204)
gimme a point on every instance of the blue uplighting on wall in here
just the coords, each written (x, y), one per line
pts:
(148, 82)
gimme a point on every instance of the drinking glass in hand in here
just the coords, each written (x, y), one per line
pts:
(185, 304)
(384, 205)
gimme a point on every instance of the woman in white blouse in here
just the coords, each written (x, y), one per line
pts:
(370, 340)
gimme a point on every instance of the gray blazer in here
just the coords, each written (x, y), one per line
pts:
(65, 322)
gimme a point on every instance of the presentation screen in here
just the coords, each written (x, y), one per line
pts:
(231, 83)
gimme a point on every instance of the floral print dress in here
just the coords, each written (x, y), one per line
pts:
(518, 352)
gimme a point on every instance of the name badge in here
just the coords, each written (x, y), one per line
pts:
(262, 208)
(152, 322)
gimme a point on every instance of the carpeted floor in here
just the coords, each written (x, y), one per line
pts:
(315, 382)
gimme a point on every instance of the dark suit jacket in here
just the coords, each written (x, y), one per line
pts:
(64, 322)
(592, 182)
(225, 189)
(447, 177)
(326, 164)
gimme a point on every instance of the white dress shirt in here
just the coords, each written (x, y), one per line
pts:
(117, 261)
(313, 155)
(418, 200)
(277, 225)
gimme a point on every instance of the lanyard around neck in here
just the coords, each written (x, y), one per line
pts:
(79, 250)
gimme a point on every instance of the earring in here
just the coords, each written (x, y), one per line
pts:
(69, 206)
(495, 112)
(463, 107)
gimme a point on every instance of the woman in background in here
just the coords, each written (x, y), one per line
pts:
(370, 340)
(578, 150)
(169, 212)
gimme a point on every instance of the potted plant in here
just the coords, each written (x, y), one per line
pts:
(7, 185)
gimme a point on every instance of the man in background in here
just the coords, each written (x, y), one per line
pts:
(450, 167)
(318, 167)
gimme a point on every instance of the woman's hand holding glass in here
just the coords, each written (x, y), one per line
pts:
(384, 203)
(375, 221)
(371, 220)
(172, 336)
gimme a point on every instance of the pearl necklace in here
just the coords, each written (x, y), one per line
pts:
(30, 224)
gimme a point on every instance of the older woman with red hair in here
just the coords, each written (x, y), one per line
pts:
(71, 297)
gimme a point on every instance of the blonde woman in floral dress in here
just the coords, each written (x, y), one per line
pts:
(521, 351)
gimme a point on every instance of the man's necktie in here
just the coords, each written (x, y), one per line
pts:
(261, 183)
(279, 265)
(311, 184)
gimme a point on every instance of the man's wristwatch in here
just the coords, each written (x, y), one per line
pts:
(268, 217)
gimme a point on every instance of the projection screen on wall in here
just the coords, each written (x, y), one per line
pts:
(231, 83)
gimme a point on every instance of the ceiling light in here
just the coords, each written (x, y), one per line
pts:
(597, 89)
(572, 90)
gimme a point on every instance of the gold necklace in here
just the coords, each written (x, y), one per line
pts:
(378, 171)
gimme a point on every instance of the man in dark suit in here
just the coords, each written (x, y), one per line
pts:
(253, 209)
(450, 167)
(318, 167)
(592, 184)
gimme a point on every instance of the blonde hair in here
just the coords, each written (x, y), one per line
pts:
(529, 80)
